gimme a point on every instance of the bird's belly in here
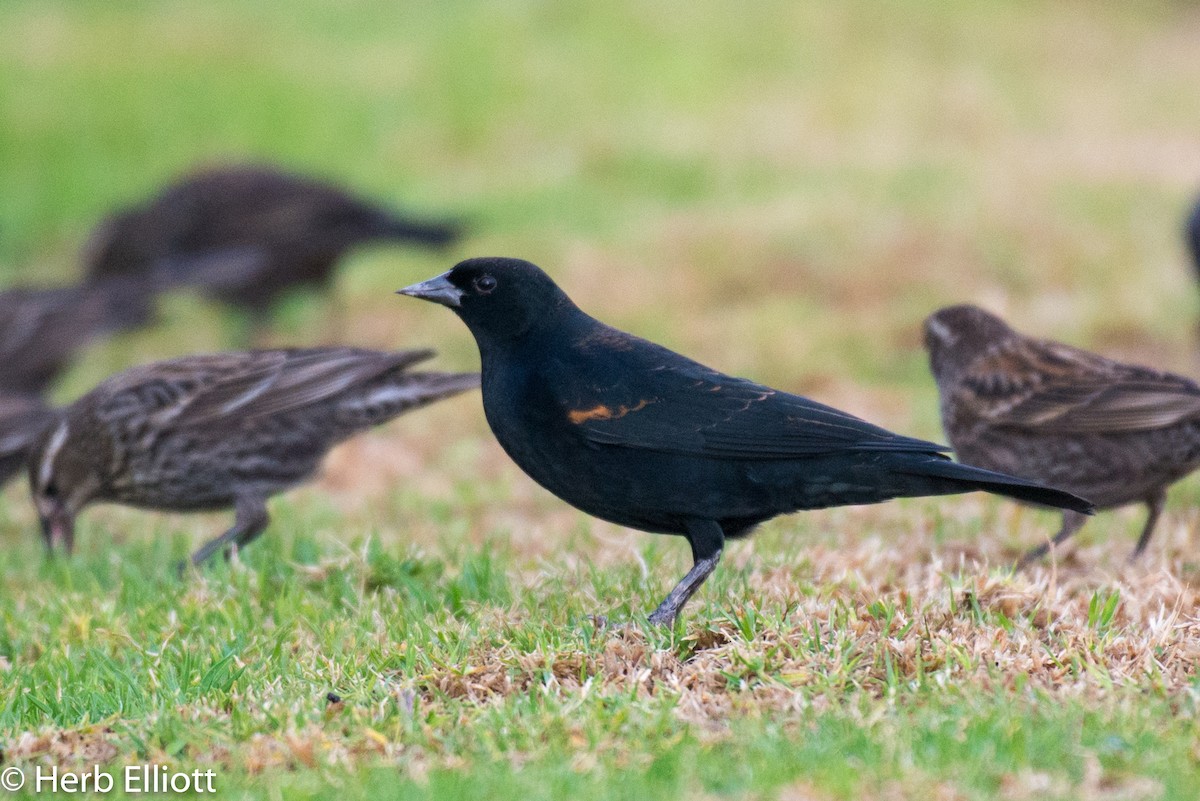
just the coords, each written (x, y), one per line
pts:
(635, 489)
(182, 473)
(661, 492)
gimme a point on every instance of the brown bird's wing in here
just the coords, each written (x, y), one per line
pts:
(227, 269)
(208, 389)
(282, 381)
(1042, 385)
(651, 398)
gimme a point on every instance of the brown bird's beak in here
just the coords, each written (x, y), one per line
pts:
(438, 290)
(58, 528)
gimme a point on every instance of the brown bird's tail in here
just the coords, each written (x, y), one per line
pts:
(433, 233)
(976, 478)
(435, 386)
(395, 392)
(22, 419)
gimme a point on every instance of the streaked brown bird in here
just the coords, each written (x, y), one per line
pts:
(1113, 433)
(22, 420)
(41, 329)
(276, 229)
(216, 431)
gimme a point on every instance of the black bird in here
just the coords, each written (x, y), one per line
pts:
(1115, 433)
(217, 431)
(41, 329)
(22, 420)
(637, 435)
(275, 229)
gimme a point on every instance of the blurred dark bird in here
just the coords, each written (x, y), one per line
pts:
(22, 420)
(41, 329)
(640, 436)
(1114, 433)
(276, 230)
(218, 431)
(1192, 235)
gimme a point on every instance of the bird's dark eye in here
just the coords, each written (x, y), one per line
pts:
(50, 490)
(484, 284)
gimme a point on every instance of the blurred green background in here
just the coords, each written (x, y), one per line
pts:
(783, 189)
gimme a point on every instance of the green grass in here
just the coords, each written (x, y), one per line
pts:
(783, 190)
(454, 678)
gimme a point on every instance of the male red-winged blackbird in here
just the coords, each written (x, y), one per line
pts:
(41, 329)
(278, 230)
(635, 434)
(22, 420)
(1115, 433)
(214, 431)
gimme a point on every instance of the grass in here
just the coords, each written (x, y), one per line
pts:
(783, 190)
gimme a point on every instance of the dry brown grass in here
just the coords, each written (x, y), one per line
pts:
(944, 625)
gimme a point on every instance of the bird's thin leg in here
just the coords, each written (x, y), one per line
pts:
(707, 540)
(250, 521)
(1155, 506)
(1072, 522)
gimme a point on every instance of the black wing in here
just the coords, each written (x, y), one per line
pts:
(645, 396)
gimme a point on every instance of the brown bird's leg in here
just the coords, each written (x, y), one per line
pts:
(250, 521)
(707, 540)
(1155, 506)
(1072, 522)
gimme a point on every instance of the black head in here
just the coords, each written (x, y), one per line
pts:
(498, 298)
(957, 335)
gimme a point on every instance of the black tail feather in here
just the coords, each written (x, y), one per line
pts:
(1020, 489)
(434, 233)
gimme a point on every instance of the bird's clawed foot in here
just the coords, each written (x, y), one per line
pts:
(664, 615)
(602, 623)
(656, 618)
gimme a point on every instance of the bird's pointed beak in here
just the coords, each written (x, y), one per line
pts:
(438, 290)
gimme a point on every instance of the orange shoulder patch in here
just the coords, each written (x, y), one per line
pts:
(602, 412)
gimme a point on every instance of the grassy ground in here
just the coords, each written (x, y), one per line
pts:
(781, 189)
